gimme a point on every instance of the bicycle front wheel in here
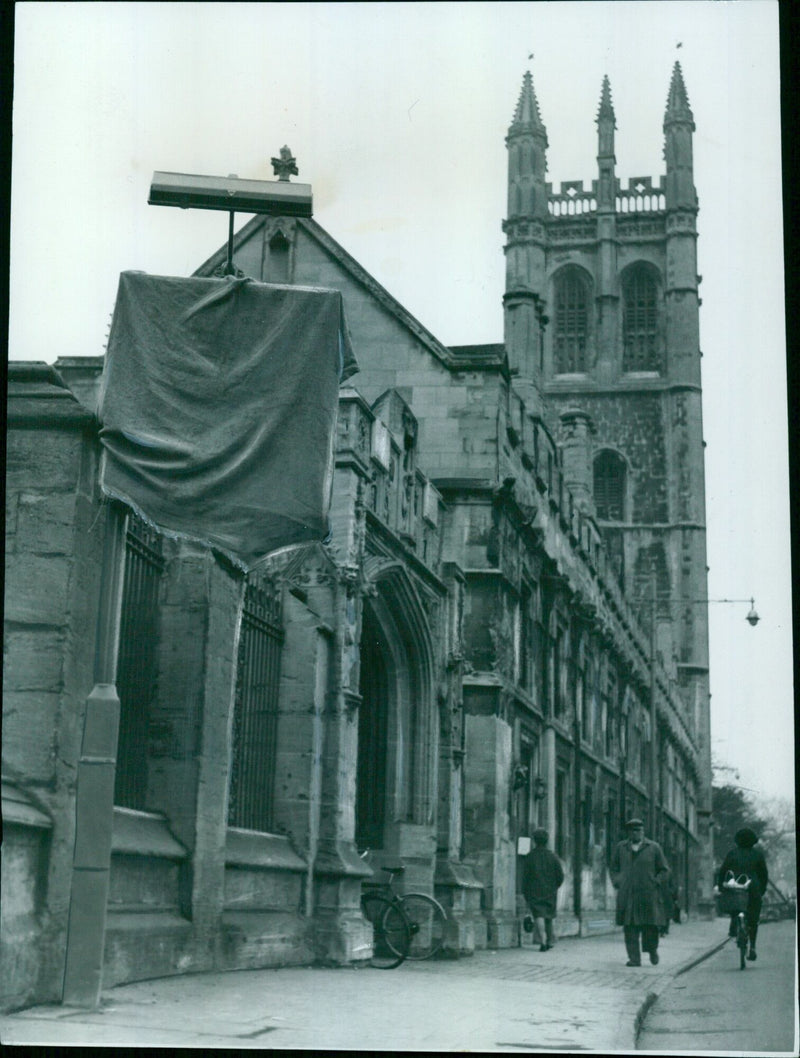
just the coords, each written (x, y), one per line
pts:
(741, 941)
(391, 935)
(427, 920)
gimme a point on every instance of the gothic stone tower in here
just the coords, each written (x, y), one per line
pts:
(612, 271)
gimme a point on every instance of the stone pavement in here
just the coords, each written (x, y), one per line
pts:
(579, 996)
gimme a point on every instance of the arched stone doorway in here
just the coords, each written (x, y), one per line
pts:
(397, 733)
(373, 736)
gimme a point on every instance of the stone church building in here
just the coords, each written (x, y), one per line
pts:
(506, 629)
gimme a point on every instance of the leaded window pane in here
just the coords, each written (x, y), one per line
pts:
(609, 487)
(571, 324)
(640, 323)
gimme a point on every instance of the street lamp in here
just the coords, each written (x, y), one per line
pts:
(752, 619)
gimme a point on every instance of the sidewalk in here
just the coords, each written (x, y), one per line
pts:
(578, 996)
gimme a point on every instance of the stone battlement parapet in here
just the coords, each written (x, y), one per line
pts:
(641, 195)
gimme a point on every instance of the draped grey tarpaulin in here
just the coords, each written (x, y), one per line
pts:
(218, 408)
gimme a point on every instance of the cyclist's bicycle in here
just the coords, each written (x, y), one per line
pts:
(427, 919)
(734, 896)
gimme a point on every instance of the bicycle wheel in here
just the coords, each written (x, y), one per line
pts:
(426, 919)
(741, 940)
(391, 935)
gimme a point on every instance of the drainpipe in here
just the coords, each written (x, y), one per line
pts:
(653, 716)
(622, 748)
(686, 859)
(577, 859)
(549, 749)
(322, 668)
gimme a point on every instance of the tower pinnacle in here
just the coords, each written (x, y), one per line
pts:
(678, 109)
(527, 161)
(606, 108)
(606, 125)
(678, 129)
(526, 235)
(526, 116)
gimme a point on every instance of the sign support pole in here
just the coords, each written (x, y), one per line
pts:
(229, 270)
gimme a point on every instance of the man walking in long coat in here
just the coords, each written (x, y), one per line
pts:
(542, 874)
(636, 868)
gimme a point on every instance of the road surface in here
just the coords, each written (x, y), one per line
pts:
(718, 1007)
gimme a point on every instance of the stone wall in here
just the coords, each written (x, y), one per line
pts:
(53, 544)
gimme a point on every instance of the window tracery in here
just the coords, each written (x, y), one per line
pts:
(571, 320)
(640, 322)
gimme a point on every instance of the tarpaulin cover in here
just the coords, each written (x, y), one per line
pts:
(218, 408)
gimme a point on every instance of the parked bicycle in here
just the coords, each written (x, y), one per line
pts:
(391, 932)
(426, 918)
(734, 894)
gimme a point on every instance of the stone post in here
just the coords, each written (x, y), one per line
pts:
(94, 804)
(188, 780)
(342, 934)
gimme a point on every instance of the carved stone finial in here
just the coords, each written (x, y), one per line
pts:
(285, 165)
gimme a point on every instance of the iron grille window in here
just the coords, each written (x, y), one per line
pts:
(255, 716)
(640, 323)
(609, 487)
(137, 661)
(571, 324)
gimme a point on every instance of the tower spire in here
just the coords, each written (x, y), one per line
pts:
(527, 117)
(678, 129)
(526, 235)
(606, 108)
(678, 109)
(605, 149)
(607, 246)
(527, 162)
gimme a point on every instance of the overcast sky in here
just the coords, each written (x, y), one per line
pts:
(397, 115)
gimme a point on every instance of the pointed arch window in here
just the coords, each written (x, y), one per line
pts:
(276, 265)
(571, 331)
(640, 322)
(609, 487)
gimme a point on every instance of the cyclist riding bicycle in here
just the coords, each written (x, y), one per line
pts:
(745, 860)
